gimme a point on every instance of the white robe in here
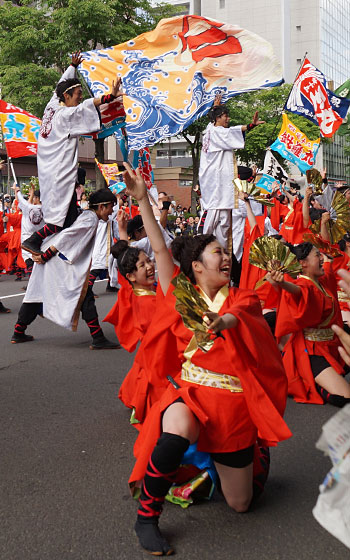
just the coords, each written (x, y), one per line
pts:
(144, 244)
(106, 231)
(238, 222)
(57, 156)
(32, 220)
(60, 283)
(216, 170)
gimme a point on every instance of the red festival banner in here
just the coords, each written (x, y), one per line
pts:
(20, 130)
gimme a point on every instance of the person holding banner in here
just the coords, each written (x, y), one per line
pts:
(216, 171)
(66, 117)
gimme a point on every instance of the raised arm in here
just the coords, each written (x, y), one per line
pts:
(250, 215)
(122, 219)
(324, 230)
(306, 205)
(137, 188)
(255, 122)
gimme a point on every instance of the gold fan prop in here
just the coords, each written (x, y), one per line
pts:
(270, 254)
(321, 244)
(339, 223)
(192, 309)
(252, 191)
(314, 178)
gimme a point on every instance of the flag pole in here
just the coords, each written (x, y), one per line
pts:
(300, 67)
(286, 101)
(13, 171)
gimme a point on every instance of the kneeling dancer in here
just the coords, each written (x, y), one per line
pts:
(225, 399)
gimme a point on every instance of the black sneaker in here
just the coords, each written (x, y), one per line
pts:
(4, 309)
(21, 337)
(109, 288)
(102, 343)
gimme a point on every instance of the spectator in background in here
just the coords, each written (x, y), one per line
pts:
(83, 203)
(80, 184)
(191, 228)
(178, 211)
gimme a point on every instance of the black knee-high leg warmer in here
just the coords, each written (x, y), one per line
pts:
(161, 471)
(335, 400)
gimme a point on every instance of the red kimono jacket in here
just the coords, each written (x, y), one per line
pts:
(251, 275)
(229, 420)
(293, 226)
(316, 307)
(337, 264)
(14, 240)
(131, 314)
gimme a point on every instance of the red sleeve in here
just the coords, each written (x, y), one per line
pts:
(299, 311)
(250, 274)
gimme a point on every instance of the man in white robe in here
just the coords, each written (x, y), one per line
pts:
(216, 171)
(66, 117)
(32, 220)
(105, 235)
(58, 288)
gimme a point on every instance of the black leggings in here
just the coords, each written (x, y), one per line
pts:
(236, 459)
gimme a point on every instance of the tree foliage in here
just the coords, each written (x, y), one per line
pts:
(36, 39)
(269, 102)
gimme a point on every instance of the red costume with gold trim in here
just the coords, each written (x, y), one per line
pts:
(309, 316)
(244, 395)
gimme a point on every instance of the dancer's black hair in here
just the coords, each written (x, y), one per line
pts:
(126, 256)
(188, 249)
(302, 251)
(64, 86)
(217, 111)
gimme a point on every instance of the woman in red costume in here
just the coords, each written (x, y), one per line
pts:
(308, 308)
(224, 399)
(131, 316)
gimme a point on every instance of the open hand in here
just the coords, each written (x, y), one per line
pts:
(255, 120)
(135, 185)
(77, 58)
(116, 87)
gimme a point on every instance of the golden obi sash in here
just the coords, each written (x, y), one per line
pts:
(201, 376)
(342, 296)
(318, 335)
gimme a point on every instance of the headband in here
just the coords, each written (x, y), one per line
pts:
(106, 202)
(71, 87)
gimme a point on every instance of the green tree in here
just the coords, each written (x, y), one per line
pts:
(269, 102)
(36, 39)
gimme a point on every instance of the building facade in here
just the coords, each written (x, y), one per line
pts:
(320, 28)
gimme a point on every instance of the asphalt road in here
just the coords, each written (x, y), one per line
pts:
(66, 452)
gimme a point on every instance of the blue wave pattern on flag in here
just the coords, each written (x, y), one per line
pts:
(171, 74)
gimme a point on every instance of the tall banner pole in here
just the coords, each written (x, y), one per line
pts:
(13, 171)
(286, 101)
